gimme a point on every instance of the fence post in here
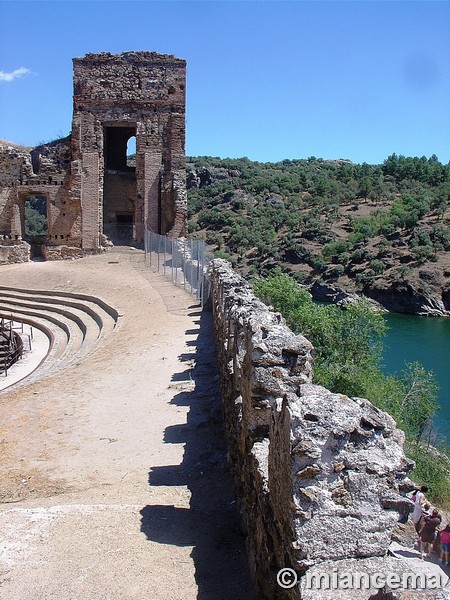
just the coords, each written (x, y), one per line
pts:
(183, 263)
(200, 278)
(164, 264)
(180, 252)
(157, 253)
(191, 248)
(171, 259)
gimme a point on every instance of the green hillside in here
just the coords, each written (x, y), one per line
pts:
(382, 230)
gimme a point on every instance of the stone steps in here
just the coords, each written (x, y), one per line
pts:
(73, 323)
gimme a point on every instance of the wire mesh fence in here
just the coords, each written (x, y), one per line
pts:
(183, 261)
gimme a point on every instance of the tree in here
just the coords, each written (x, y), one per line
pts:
(365, 187)
(347, 342)
(36, 224)
(418, 404)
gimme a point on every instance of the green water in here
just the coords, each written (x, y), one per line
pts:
(426, 340)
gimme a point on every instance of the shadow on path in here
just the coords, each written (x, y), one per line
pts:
(211, 524)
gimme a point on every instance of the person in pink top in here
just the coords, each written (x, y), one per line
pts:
(445, 545)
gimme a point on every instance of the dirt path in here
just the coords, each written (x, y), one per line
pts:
(114, 482)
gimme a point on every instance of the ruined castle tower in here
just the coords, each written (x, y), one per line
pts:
(85, 188)
(137, 95)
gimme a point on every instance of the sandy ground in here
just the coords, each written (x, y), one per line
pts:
(113, 476)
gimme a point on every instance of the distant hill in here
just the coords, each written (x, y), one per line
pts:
(380, 230)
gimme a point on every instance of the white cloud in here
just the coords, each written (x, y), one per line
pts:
(21, 72)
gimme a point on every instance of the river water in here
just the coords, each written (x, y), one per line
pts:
(425, 340)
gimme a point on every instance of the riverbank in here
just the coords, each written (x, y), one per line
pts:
(410, 337)
(427, 341)
(398, 297)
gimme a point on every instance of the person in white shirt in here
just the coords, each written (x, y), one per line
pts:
(419, 502)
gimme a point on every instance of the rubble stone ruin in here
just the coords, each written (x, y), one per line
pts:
(77, 194)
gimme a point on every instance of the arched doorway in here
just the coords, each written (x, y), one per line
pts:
(35, 222)
(131, 152)
(119, 187)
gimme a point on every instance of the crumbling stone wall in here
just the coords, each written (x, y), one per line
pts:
(15, 166)
(88, 186)
(318, 475)
(39, 171)
(13, 252)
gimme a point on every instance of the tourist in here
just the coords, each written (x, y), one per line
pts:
(428, 533)
(445, 545)
(419, 501)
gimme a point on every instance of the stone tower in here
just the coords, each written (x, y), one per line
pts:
(136, 96)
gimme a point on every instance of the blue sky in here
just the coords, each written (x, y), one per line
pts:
(265, 79)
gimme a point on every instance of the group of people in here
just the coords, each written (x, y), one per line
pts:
(427, 522)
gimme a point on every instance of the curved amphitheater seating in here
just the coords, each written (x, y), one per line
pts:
(74, 323)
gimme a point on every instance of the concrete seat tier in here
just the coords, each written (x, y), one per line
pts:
(73, 323)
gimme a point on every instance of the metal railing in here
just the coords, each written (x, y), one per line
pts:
(183, 261)
(11, 345)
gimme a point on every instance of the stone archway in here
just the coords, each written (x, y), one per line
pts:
(119, 186)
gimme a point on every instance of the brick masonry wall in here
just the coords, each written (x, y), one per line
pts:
(15, 164)
(13, 252)
(121, 192)
(41, 171)
(104, 80)
(144, 91)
